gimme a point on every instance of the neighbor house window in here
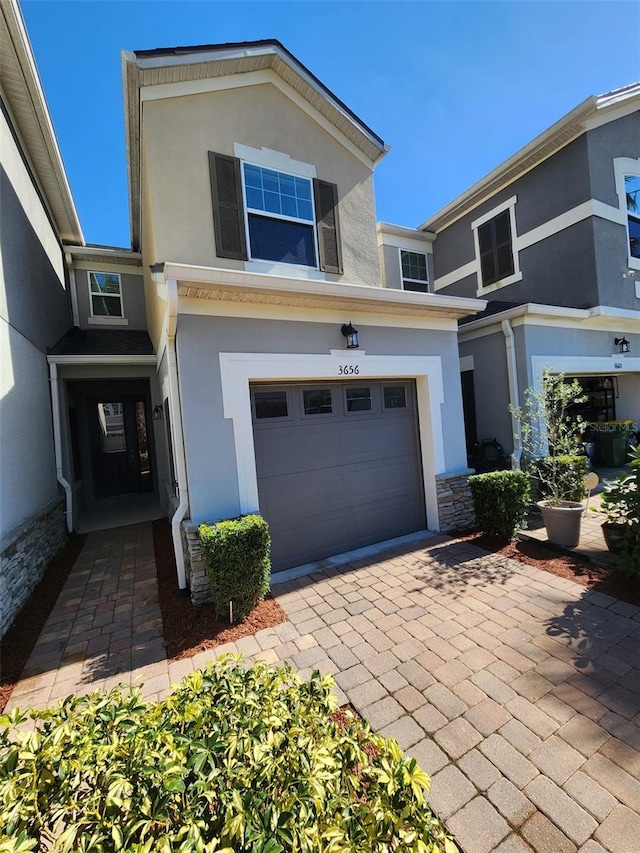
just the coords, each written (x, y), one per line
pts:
(280, 219)
(496, 248)
(106, 294)
(414, 271)
(632, 196)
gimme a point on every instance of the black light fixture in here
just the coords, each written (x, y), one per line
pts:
(622, 344)
(157, 413)
(351, 335)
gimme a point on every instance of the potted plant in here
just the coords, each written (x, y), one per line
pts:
(551, 440)
(620, 504)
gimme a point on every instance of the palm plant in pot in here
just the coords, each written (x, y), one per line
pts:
(551, 440)
(620, 503)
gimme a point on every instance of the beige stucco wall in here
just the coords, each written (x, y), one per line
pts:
(178, 132)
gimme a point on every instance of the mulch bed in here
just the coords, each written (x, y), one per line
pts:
(573, 567)
(17, 644)
(189, 629)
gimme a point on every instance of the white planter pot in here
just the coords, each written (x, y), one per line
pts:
(562, 520)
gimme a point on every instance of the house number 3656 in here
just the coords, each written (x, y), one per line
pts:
(348, 369)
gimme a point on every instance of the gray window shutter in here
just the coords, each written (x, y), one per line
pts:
(228, 218)
(326, 199)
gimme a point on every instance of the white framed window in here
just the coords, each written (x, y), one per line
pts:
(105, 296)
(627, 175)
(495, 240)
(413, 269)
(279, 216)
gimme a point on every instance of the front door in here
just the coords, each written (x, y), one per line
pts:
(119, 446)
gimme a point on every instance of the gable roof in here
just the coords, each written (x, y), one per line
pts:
(28, 117)
(597, 109)
(162, 66)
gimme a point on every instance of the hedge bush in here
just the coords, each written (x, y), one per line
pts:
(235, 760)
(559, 476)
(236, 553)
(500, 499)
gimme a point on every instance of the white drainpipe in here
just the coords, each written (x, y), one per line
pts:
(514, 393)
(176, 426)
(57, 443)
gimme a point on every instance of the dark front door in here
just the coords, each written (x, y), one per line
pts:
(119, 446)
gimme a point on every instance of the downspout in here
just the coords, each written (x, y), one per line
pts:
(178, 435)
(72, 286)
(57, 444)
(514, 393)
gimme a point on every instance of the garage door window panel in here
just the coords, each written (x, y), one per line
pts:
(358, 399)
(394, 397)
(271, 404)
(317, 401)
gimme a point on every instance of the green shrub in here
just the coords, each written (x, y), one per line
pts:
(235, 760)
(500, 499)
(566, 474)
(236, 554)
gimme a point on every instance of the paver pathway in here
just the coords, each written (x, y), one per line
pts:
(519, 692)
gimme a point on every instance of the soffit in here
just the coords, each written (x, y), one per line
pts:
(23, 92)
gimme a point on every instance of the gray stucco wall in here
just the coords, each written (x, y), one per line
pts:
(619, 138)
(491, 387)
(133, 304)
(209, 442)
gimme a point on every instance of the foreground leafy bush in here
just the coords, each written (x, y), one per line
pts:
(236, 553)
(235, 760)
(560, 477)
(500, 499)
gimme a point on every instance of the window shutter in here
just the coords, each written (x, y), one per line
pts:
(326, 199)
(228, 219)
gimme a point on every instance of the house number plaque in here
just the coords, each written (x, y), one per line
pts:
(348, 369)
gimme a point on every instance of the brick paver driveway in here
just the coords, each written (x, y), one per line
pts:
(519, 692)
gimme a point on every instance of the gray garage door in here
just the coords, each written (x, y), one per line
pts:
(338, 466)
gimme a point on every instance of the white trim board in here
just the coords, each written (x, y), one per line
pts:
(582, 365)
(237, 370)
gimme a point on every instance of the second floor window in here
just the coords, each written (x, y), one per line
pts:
(496, 249)
(106, 294)
(632, 193)
(414, 271)
(280, 218)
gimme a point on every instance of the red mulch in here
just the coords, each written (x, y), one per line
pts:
(189, 629)
(575, 568)
(17, 644)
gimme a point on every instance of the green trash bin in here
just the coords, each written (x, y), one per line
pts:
(612, 439)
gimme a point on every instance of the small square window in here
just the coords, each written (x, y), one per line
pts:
(395, 397)
(317, 401)
(414, 271)
(358, 399)
(105, 294)
(270, 404)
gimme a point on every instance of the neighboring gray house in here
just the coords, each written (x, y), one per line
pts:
(37, 216)
(551, 239)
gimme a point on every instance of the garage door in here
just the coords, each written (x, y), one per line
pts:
(338, 466)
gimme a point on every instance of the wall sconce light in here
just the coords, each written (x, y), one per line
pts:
(622, 344)
(351, 335)
(629, 273)
(157, 413)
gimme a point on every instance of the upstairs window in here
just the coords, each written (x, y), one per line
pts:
(280, 220)
(105, 293)
(265, 214)
(414, 271)
(496, 248)
(632, 196)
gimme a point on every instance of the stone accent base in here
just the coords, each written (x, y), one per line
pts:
(455, 503)
(26, 552)
(194, 564)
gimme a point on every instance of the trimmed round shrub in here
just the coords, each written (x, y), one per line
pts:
(500, 500)
(237, 556)
(235, 760)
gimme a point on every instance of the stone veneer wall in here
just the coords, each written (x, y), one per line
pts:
(25, 554)
(455, 503)
(195, 568)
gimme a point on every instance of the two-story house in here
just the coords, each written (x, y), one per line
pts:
(550, 238)
(251, 352)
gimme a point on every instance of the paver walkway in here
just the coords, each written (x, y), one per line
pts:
(519, 692)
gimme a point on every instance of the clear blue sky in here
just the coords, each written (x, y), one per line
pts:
(453, 87)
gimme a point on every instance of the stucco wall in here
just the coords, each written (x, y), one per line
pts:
(491, 387)
(133, 304)
(177, 133)
(209, 441)
(620, 138)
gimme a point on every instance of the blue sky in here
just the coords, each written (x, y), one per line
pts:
(453, 87)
